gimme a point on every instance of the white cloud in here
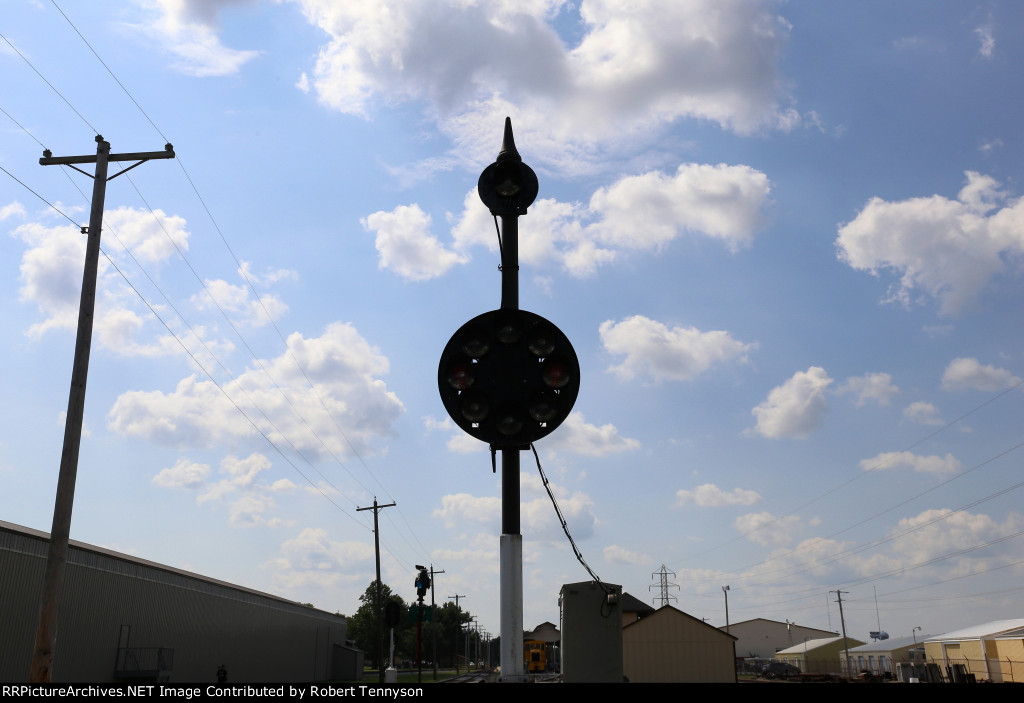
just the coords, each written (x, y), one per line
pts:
(987, 42)
(342, 365)
(51, 276)
(11, 210)
(923, 413)
(767, 529)
(957, 530)
(932, 464)
(709, 495)
(238, 304)
(678, 354)
(574, 435)
(637, 67)
(647, 211)
(614, 554)
(313, 558)
(459, 508)
(969, 374)
(636, 213)
(184, 474)
(463, 506)
(579, 437)
(796, 408)
(949, 249)
(406, 246)
(871, 386)
(187, 29)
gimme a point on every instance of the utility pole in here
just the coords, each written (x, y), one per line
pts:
(458, 614)
(433, 615)
(380, 588)
(56, 558)
(664, 585)
(842, 620)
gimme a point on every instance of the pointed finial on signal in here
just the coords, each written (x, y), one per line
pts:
(508, 144)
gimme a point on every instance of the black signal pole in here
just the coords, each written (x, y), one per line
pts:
(509, 377)
(510, 178)
(56, 558)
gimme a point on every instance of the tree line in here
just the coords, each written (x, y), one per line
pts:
(448, 622)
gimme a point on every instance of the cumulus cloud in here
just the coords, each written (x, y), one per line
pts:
(636, 213)
(796, 408)
(459, 508)
(188, 30)
(637, 67)
(944, 531)
(947, 249)
(14, 209)
(312, 558)
(578, 436)
(51, 275)
(923, 413)
(709, 495)
(646, 211)
(969, 374)
(871, 386)
(614, 554)
(932, 464)
(767, 529)
(184, 474)
(406, 246)
(247, 499)
(574, 435)
(238, 303)
(678, 354)
(343, 366)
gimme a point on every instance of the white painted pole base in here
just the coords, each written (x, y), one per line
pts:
(512, 609)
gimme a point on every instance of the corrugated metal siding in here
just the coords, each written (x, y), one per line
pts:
(258, 637)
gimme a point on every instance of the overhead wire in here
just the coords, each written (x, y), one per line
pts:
(242, 272)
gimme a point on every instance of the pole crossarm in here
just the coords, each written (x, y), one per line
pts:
(140, 156)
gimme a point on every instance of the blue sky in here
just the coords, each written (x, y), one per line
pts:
(785, 240)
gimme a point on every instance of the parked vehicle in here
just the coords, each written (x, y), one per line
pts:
(779, 670)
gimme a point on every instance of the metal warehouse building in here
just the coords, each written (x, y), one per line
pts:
(128, 619)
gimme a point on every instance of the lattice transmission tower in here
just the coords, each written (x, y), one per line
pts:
(663, 585)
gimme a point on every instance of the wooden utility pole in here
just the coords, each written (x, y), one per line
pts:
(458, 614)
(56, 558)
(380, 588)
(842, 620)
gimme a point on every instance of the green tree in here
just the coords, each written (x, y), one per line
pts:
(447, 622)
(362, 627)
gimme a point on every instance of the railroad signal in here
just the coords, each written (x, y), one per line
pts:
(422, 583)
(508, 377)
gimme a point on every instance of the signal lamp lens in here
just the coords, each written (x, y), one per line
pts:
(510, 424)
(460, 375)
(474, 406)
(509, 330)
(556, 373)
(474, 343)
(541, 341)
(543, 407)
(507, 179)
